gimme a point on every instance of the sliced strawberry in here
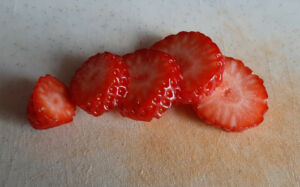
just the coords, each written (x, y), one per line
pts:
(239, 103)
(100, 83)
(49, 105)
(200, 60)
(153, 84)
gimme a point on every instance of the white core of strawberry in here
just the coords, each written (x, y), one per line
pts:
(54, 100)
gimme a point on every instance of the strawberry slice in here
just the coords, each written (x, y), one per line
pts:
(200, 60)
(239, 103)
(100, 83)
(153, 84)
(49, 105)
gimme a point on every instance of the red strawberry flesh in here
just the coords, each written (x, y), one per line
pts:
(154, 84)
(200, 60)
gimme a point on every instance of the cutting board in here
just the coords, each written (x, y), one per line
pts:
(55, 37)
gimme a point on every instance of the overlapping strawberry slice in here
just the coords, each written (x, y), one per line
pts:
(154, 84)
(200, 60)
(100, 83)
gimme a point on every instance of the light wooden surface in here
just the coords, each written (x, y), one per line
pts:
(39, 37)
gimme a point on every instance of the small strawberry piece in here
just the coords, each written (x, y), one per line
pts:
(100, 83)
(49, 105)
(153, 84)
(200, 60)
(239, 103)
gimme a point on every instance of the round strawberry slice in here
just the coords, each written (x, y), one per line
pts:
(200, 60)
(239, 103)
(49, 105)
(153, 84)
(100, 83)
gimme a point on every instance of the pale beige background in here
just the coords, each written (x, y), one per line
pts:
(38, 37)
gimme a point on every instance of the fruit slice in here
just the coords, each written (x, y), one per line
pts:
(154, 84)
(239, 103)
(49, 105)
(200, 60)
(100, 83)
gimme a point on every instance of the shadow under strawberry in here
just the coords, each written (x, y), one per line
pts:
(14, 96)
